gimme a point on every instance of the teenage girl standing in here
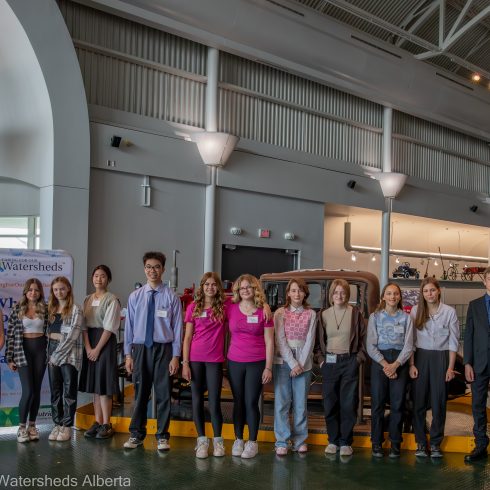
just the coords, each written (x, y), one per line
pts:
(64, 356)
(203, 357)
(390, 345)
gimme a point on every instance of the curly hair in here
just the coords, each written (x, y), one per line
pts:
(217, 306)
(301, 283)
(40, 303)
(382, 303)
(53, 302)
(422, 308)
(259, 296)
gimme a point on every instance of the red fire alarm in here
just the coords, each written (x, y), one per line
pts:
(263, 233)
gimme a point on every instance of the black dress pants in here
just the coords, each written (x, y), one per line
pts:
(150, 368)
(430, 391)
(340, 398)
(382, 389)
(479, 392)
(63, 381)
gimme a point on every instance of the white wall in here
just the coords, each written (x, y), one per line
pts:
(121, 230)
(250, 211)
(44, 133)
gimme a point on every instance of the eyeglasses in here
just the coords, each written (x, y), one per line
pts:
(246, 288)
(338, 293)
(155, 268)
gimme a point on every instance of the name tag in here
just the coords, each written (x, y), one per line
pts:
(65, 329)
(399, 329)
(331, 358)
(162, 313)
(96, 302)
(204, 314)
(252, 319)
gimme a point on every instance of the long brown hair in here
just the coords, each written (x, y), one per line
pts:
(24, 302)
(423, 308)
(217, 305)
(259, 296)
(382, 303)
(345, 286)
(303, 287)
(53, 303)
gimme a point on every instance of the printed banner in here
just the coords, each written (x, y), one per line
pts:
(16, 266)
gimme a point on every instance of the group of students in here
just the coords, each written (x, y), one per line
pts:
(421, 345)
(76, 344)
(261, 349)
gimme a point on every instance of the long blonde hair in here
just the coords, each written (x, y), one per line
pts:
(53, 303)
(259, 296)
(217, 306)
(24, 302)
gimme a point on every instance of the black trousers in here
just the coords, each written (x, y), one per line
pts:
(31, 378)
(382, 389)
(63, 381)
(430, 391)
(150, 368)
(340, 398)
(246, 386)
(207, 375)
(479, 392)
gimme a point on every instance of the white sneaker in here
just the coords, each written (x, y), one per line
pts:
(331, 449)
(33, 433)
(251, 450)
(218, 447)
(163, 444)
(22, 435)
(64, 434)
(238, 447)
(346, 451)
(53, 436)
(133, 443)
(202, 447)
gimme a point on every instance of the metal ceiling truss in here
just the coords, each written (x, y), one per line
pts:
(421, 12)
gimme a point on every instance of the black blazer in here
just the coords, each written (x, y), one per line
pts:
(476, 335)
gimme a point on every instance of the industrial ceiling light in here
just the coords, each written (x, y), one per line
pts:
(373, 258)
(397, 260)
(436, 263)
(215, 148)
(391, 183)
(476, 77)
(353, 257)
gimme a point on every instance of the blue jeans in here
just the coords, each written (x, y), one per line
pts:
(290, 391)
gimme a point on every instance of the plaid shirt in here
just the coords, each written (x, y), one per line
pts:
(14, 350)
(70, 347)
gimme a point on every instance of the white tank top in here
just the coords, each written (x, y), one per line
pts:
(33, 326)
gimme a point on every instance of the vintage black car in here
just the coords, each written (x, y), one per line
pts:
(406, 271)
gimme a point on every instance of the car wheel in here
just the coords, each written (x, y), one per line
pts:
(406, 275)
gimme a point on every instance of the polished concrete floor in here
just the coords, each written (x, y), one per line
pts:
(105, 464)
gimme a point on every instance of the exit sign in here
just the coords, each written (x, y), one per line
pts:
(263, 233)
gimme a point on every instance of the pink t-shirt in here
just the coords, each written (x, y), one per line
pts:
(247, 334)
(208, 341)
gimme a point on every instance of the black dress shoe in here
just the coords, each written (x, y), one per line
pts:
(476, 455)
